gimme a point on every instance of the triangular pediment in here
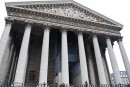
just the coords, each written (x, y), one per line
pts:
(66, 8)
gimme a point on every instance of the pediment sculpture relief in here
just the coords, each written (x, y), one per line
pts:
(69, 11)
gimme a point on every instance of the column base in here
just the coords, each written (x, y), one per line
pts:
(17, 84)
(42, 85)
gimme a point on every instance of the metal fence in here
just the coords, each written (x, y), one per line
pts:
(62, 85)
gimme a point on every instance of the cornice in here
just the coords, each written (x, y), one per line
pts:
(39, 2)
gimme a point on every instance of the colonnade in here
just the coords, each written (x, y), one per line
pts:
(23, 56)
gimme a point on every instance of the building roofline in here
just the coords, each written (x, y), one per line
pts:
(63, 2)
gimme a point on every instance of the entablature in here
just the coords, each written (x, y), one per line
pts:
(69, 26)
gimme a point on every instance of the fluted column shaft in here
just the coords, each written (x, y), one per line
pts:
(113, 61)
(64, 58)
(4, 38)
(125, 58)
(82, 57)
(91, 65)
(44, 57)
(23, 57)
(99, 61)
(5, 61)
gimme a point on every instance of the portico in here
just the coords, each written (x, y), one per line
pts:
(54, 48)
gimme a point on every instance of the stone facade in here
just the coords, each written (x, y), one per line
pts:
(59, 42)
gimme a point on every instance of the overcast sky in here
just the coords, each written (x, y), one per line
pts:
(118, 10)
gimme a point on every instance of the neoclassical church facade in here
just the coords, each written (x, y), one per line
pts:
(56, 42)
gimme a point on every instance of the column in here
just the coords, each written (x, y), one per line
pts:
(107, 74)
(82, 57)
(23, 57)
(99, 61)
(5, 61)
(113, 61)
(124, 57)
(44, 57)
(4, 38)
(91, 66)
(64, 58)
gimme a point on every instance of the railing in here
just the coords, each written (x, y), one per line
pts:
(62, 85)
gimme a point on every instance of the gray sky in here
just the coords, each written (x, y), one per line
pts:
(118, 10)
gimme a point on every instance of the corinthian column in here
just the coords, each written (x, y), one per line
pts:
(23, 57)
(64, 58)
(124, 57)
(4, 38)
(82, 57)
(113, 61)
(44, 57)
(91, 66)
(99, 61)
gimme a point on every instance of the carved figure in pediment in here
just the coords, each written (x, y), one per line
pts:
(69, 11)
(82, 16)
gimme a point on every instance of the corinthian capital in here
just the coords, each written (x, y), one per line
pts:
(47, 24)
(94, 33)
(120, 38)
(9, 20)
(63, 30)
(29, 23)
(79, 31)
